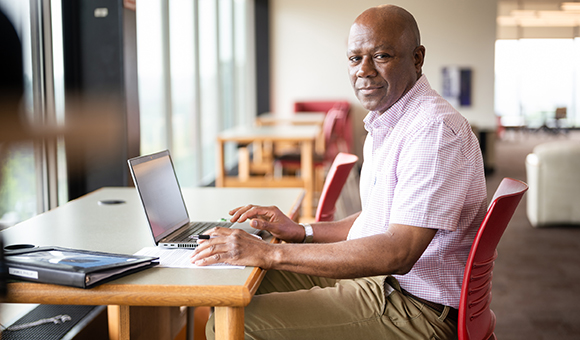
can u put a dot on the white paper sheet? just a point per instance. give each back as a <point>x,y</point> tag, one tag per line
<point>178,258</point>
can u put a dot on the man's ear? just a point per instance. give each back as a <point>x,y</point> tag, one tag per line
<point>419,58</point>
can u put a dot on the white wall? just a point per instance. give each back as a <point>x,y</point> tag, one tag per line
<point>308,46</point>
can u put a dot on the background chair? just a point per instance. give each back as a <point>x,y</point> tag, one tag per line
<point>316,105</point>
<point>333,144</point>
<point>476,320</point>
<point>344,123</point>
<point>335,180</point>
<point>553,173</point>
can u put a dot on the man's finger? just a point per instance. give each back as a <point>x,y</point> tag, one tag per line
<point>259,224</point>
<point>209,251</point>
<point>207,260</point>
<point>238,213</point>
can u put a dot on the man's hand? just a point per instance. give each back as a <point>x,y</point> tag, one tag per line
<point>232,246</point>
<point>270,219</point>
<point>237,247</point>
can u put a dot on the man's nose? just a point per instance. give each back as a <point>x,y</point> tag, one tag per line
<point>366,69</point>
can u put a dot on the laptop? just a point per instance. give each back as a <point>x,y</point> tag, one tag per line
<point>158,188</point>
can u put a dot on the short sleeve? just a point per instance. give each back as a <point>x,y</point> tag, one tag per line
<point>432,179</point>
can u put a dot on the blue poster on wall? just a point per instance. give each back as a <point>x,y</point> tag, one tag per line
<point>457,85</point>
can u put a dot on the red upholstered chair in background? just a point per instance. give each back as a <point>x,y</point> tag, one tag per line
<point>335,180</point>
<point>344,125</point>
<point>338,137</point>
<point>333,144</point>
<point>319,105</point>
<point>476,320</point>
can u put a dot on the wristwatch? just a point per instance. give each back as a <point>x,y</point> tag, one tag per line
<point>309,233</point>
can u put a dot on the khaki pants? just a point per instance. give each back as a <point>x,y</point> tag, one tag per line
<point>295,306</point>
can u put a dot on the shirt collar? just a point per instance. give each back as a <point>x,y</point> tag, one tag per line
<point>390,118</point>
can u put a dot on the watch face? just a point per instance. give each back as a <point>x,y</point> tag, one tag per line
<point>309,234</point>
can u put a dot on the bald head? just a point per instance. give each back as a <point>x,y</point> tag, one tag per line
<point>386,17</point>
<point>385,56</point>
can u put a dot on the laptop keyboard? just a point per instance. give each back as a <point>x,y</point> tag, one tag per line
<point>196,228</point>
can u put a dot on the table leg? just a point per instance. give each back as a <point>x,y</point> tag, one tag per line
<point>119,322</point>
<point>220,164</point>
<point>229,323</point>
<point>319,145</point>
<point>307,170</point>
<point>243,164</point>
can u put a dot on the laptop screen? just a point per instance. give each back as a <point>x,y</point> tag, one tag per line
<point>158,187</point>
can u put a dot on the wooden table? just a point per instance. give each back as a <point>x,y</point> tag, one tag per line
<point>140,305</point>
<point>304,135</point>
<point>299,118</point>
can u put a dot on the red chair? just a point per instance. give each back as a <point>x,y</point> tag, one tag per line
<point>319,105</point>
<point>332,146</point>
<point>344,127</point>
<point>476,320</point>
<point>335,180</point>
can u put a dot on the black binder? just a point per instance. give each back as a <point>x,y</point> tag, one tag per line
<point>72,267</point>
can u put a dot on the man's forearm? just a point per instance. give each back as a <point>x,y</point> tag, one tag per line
<point>390,253</point>
<point>335,231</point>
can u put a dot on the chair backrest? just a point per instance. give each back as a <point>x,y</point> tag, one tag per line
<point>561,113</point>
<point>329,125</point>
<point>335,180</point>
<point>332,129</point>
<point>476,319</point>
<point>319,105</point>
<point>343,123</point>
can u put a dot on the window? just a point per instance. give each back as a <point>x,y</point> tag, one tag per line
<point>534,77</point>
<point>194,79</point>
<point>30,175</point>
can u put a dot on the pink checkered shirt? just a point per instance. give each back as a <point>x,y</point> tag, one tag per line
<point>423,167</point>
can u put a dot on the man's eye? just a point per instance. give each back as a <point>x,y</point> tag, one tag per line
<point>354,59</point>
<point>382,56</point>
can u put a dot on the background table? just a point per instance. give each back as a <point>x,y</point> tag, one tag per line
<point>299,118</point>
<point>304,135</point>
<point>86,224</point>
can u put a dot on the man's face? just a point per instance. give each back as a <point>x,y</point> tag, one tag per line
<point>384,63</point>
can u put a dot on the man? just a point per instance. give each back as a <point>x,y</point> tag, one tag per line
<point>394,270</point>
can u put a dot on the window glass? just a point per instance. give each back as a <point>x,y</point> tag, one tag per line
<point>209,80</point>
<point>228,71</point>
<point>18,191</point>
<point>58,72</point>
<point>226,58</point>
<point>18,184</point>
<point>200,88</point>
<point>150,77</point>
<point>182,58</point>
<point>534,77</point>
<point>244,72</point>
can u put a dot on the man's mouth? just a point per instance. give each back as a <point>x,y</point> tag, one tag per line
<point>369,89</point>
